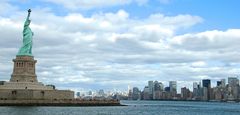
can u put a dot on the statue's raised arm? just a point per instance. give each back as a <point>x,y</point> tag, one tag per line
<point>29,12</point>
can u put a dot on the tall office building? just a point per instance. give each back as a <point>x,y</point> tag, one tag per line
<point>167,89</point>
<point>161,86</point>
<point>90,93</point>
<point>206,83</point>
<point>233,81</point>
<point>150,87</point>
<point>101,92</point>
<point>78,94</point>
<point>156,86</point>
<point>135,93</point>
<point>195,85</point>
<point>157,89</point>
<point>223,82</point>
<point>197,94</point>
<point>146,93</point>
<point>129,88</point>
<point>185,93</point>
<point>233,87</point>
<point>173,88</point>
<point>219,83</point>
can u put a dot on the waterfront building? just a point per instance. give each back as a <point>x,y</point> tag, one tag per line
<point>167,89</point>
<point>206,83</point>
<point>130,94</point>
<point>205,93</point>
<point>90,93</point>
<point>101,92</point>
<point>136,94</point>
<point>219,93</point>
<point>78,94</point>
<point>185,93</point>
<point>197,91</point>
<point>146,93</point>
<point>173,88</point>
<point>223,82</point>
<point>156,90</point>
<point>195,85</point>
<point>233,81</point>
<point>150,87</point>
<point>233,87</point>
<point>219,83</point>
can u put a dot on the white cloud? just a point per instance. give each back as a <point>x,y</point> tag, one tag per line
<point>199,64</point>
<point>209,41</point>
<point>89,4</point>
<point>175,22</point>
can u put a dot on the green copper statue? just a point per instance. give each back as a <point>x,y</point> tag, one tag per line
<point>26,49</point>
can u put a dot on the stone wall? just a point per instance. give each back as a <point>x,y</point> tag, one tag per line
<point>25,85</point>
<point>21,94</point>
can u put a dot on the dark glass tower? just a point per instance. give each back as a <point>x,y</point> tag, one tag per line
<point>206,88</point>
<point>206,83</point>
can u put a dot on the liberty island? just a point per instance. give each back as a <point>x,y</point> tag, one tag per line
<point>24,89</point>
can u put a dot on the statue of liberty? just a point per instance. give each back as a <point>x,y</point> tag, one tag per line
<point>26,48</point>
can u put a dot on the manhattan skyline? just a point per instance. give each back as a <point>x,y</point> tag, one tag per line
<point>91,45</point>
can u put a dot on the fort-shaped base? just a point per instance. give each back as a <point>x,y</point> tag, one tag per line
<point>24,85</point>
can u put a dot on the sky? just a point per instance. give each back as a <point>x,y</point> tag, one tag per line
<point>109,44</point>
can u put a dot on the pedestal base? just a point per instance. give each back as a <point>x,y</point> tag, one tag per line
<point>24,69</point>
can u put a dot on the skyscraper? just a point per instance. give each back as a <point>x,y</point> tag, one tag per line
<point>185,93</point>
<point>197,90</point>
<point>135,93</point>
<point>206,88</point>
<point>150,87</point>
<point>219,83</point>
<point>223,82</point>
<point>173,88</point>
<point>206,83</point>
<point>233,81</point>
<point>78,94</point>
<point>233,87</point>
<point>158,87</point>
<point>195,85</point>
<point>101,92</point>
<point>146,93</point>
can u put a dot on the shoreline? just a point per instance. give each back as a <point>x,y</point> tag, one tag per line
<point>73,102</point>
<point>221,101</point>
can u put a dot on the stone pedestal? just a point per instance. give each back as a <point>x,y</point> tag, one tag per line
<point>24,69</point>
<point>24,85</point>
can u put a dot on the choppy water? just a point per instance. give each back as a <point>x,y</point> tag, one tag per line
<point>133,108</point>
